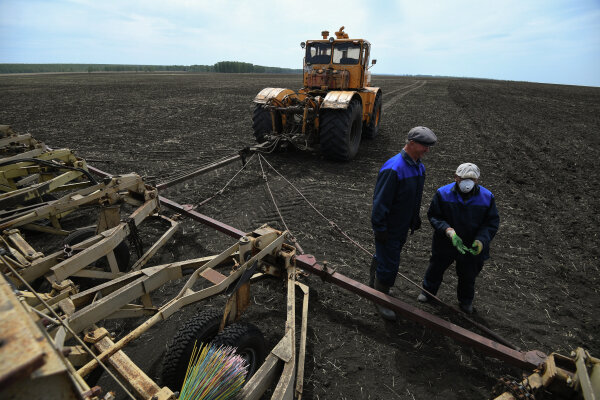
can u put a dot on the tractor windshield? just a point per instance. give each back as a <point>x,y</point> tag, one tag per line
<point>346,53</point>
<point>318,53</point>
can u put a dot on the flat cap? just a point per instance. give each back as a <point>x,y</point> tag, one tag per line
<point>422,135</point>
<point>468,171</point>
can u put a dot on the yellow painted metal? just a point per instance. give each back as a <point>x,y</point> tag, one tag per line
<point>302,349</point>
<point>338,99</point>
<point>569,376</point>
<point>368,101</point>
<point>30,367</point>
<point>145,387</point>
<point>285,387</point>
<point>271,93</point>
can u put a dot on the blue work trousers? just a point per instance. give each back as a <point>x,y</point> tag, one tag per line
<point>387,256</point>
<point>468,267</point>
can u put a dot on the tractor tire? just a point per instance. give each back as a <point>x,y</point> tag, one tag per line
<point>341,131</point>
<point>121,251</point>
<point>248,341</point>
<point>371,129</point>
<point>202,328</point>
<point>262,124</point>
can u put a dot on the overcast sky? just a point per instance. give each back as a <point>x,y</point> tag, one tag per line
<point>554,41</point>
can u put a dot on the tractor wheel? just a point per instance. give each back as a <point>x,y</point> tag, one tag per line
<point>202,328</point>
<point>371,129</point>
<point>121,251</point>
<point>248,341</point>
<point>261,123</point>
<point>341,131</point>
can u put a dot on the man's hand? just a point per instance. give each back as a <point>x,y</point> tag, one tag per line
<point>415,224</point>
<point>476,248</point>
<point>381,236</point>
<point>456,241</point>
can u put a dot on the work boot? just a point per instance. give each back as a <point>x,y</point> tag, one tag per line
<point>385,313</point>
<point>467,308</point>
<point>422,298</point>
<point>372,272</point>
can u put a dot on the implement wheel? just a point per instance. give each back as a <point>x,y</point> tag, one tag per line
<point>341,131</point>
<point>202,328</point>
<point>262,123</point>
<point>371,129</point>
<point>248,341</point>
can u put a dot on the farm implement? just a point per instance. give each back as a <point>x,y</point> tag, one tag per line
<point>52,307</point>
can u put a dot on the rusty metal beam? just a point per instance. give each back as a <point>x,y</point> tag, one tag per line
<point>526,360</point>
<point>220,226</point>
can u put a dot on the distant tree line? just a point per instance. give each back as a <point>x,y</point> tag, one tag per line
<point>222,66</point>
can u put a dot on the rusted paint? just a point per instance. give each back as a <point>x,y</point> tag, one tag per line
<point>139,381</point>
<point>213,276</point>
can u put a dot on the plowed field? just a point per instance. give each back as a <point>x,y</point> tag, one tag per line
<point>538,148</point>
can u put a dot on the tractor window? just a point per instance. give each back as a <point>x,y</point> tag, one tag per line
<point>318,53</point>
<point>346,53</point>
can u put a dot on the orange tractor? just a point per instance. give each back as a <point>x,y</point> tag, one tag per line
<point>335,108</point>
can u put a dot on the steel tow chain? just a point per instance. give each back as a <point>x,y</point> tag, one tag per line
<point>330,222</point>
<point>220,191</point>
<point>406,278</point>
<point>264,176</point>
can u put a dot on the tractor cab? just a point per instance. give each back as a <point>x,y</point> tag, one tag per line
<point>338,63</point>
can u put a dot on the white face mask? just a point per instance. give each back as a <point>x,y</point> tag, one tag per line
<point>466,185</point>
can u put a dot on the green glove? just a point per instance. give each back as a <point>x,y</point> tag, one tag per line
<point>476,248</point>
<point>458,243</point>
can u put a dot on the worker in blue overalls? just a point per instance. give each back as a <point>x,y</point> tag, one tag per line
<point>465,219</point>
<point>396,205</point>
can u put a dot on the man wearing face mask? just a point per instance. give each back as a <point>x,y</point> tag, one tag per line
<point>396,206</point>
<point>465,220</point>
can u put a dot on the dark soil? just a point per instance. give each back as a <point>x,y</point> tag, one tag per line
<point>538,147</point>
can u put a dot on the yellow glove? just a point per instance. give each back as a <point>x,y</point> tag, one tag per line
<point>476,247</point>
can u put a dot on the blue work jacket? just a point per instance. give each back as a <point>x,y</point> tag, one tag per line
<point>474,218</point>
<point>397,196</point>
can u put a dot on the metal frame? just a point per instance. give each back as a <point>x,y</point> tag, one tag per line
<point>264,248</point>
<point>76,260</point>
<point>68,313</point>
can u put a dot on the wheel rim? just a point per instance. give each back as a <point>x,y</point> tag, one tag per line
<point>249,355</point>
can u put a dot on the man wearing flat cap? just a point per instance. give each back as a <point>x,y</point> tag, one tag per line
<point>396,205</point>
<point>465,219</point>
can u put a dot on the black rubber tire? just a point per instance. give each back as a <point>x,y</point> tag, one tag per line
<point>341,131</point>
<point>202,328</point>
<point>262,125</point>
<point>371,129</point>
<point>121,251</point>
<point>248,341</point>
